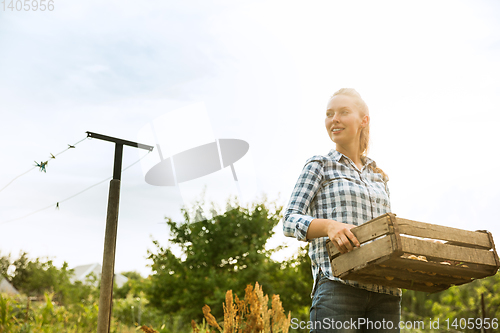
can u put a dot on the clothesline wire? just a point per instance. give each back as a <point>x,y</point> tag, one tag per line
<point>74,195</point>
<point>37,166</point>
<point>85,138</point>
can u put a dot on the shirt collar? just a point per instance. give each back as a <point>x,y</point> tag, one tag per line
<point>336,156</point>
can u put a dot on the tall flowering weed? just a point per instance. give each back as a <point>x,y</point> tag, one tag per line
<point>248,315</point>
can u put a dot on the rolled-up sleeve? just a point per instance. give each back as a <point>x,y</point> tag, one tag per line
<point>295,219</point>
<point>388,195</point>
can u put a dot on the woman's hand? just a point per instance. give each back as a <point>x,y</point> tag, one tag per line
<point>338,232</point>
<point>341,236</point>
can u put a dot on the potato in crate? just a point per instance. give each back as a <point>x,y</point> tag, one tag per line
<point>402,253</point>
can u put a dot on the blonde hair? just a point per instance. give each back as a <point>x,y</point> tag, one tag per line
<point>364,138</point>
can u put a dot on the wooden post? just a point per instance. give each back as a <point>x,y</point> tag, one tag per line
<point>108,260</point>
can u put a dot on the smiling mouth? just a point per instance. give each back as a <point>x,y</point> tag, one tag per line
<point>337,130</point>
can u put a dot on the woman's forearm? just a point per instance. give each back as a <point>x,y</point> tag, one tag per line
<point>338,232</point>
<point>319,228</point>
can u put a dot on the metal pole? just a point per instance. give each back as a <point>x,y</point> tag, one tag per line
<point>117,169</point>
<point>108,260</point>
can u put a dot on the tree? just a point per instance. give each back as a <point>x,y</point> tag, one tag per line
<point>465,302</point>
<point>134,285</point>
<point>293,282</point>
<point>220,253</point>
<point>34,277</point>
<point>455,303</point>
<point>4,266</point>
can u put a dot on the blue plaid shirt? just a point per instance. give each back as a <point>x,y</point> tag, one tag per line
<point>332,187</point>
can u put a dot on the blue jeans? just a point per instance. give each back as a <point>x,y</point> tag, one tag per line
<point>337,307</point>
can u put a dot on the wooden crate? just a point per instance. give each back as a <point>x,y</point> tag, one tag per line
<point>387,260</point>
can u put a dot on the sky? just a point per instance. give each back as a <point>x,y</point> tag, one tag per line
<point>176,75</point>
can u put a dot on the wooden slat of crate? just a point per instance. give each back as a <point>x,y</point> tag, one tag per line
<point>404,274</point>
<point>362,256</point>
<point>400,283</point>
<point>456,236</point>
<point>387,274</point>
<point>447,252</point>
<point>474,271</point>
<point>371,230</point>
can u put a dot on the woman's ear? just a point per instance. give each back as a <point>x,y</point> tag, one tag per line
<point>365,121</point>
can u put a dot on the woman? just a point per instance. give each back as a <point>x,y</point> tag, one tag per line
<point>333,194</point>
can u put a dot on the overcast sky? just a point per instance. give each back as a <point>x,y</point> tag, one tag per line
<point>180,74</point>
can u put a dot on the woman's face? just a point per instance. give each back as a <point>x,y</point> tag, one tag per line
<point>344,121</point>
